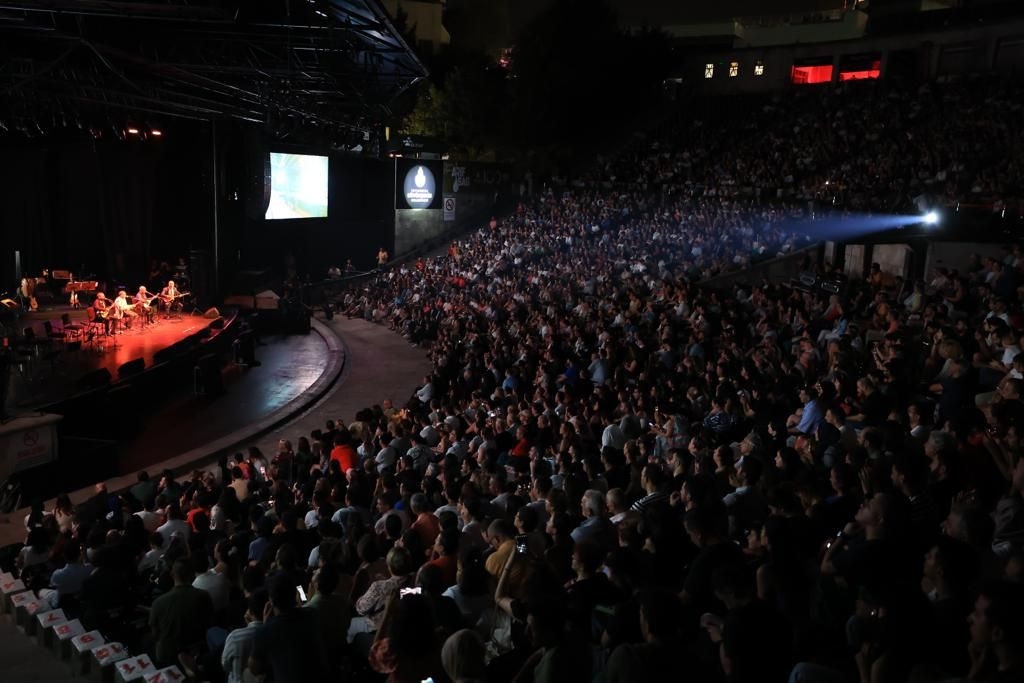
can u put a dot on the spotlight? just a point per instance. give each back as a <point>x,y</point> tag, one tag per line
<point>156,132</point>
<point>930,218</point>
<point>132,130</point>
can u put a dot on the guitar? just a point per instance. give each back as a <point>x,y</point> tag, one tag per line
<point>114,311</point>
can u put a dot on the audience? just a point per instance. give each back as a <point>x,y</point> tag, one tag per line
<point>615,470</point>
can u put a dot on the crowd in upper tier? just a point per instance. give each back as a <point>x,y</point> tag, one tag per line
<point>615,473</point>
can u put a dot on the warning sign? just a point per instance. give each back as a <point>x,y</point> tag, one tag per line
<point>449,209</point>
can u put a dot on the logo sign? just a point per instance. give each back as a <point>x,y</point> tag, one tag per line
<point>419,187</point>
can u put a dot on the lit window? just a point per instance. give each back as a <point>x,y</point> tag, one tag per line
<point>759,69</point>
<point>812,74</point>
<point>709,71</point>
<point>734,69</point>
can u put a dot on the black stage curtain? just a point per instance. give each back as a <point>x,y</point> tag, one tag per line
<point>103,207</point>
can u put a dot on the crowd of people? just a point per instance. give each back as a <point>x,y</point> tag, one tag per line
<point>614,473</point>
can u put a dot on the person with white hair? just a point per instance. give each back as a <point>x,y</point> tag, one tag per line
<point>595,527</point>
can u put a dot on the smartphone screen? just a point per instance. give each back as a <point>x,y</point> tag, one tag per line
<point>302,593</point>
<point>521,543</point>
<point>409,591</point>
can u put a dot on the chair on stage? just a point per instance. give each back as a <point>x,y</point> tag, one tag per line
<point>94,327</point>
<point>50,353</point>
<point>71,330</point>
<point>54,334</point>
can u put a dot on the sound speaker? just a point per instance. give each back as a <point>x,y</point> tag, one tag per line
<point>211,313</point>
<point>132,367</point>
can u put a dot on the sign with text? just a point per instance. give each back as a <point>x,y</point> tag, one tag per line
<point>47,619</point>
<point>417,184</point>
<point>19,599</point>
<point>449,209</point>
<point>169,675</point>
<point>90,640</point>
<point>27,442</point>
<point>109,653</point>
<point>132,669</point>
<point>69,630</point>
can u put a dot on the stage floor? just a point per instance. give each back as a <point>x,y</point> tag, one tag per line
<point>42,383</point>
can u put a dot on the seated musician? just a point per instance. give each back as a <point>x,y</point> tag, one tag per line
<point>142,305</point>
<point>104,310</point>
<point>127,310</point>
<point>169,295</point>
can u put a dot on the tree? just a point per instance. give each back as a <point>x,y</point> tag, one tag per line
<point>465,113</point>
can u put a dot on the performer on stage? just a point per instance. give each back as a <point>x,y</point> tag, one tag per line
<point>126,309</point>
<point>104,310</point>
<point>170,296</point>
<point>141,301</point>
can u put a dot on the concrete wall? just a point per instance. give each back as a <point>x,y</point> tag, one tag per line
<point>925,55</point>
<point>413,227</point>
<point>894,259</point>
<point>853,261</point>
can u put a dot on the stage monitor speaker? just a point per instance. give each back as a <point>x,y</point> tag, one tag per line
<point>95,379</point>
<point>245,349</point>
<point>131,368</point>
<point>211,313</point>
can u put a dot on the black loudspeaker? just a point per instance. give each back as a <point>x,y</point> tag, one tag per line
<point>208,380</point>
<point>245,349</point>
<point>132,367</point>
<point>211,313</point>
<point>95,379</point>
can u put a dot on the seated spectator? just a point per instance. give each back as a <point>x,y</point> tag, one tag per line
<point>371,604</point>
<point>240,643</point>
<point>333,611</point>
<point>472,589</point>
<point>288,646</point>
<point>408,646</point>
<point>179,618</point>
<point>463,657</point>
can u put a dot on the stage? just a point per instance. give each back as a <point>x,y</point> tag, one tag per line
<point>55,370</point>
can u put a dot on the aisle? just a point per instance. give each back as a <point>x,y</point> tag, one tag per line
<point>379,364</point>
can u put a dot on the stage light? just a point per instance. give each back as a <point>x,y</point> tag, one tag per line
<point>931,218</point>
<point>132,130</point>
<point>156,132</point>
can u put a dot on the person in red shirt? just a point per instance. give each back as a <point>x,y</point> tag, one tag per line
<point>446,555</point>
<point>343,452</point>
<point>425,524</point>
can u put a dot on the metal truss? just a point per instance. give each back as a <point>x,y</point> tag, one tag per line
<point>334,64</point>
